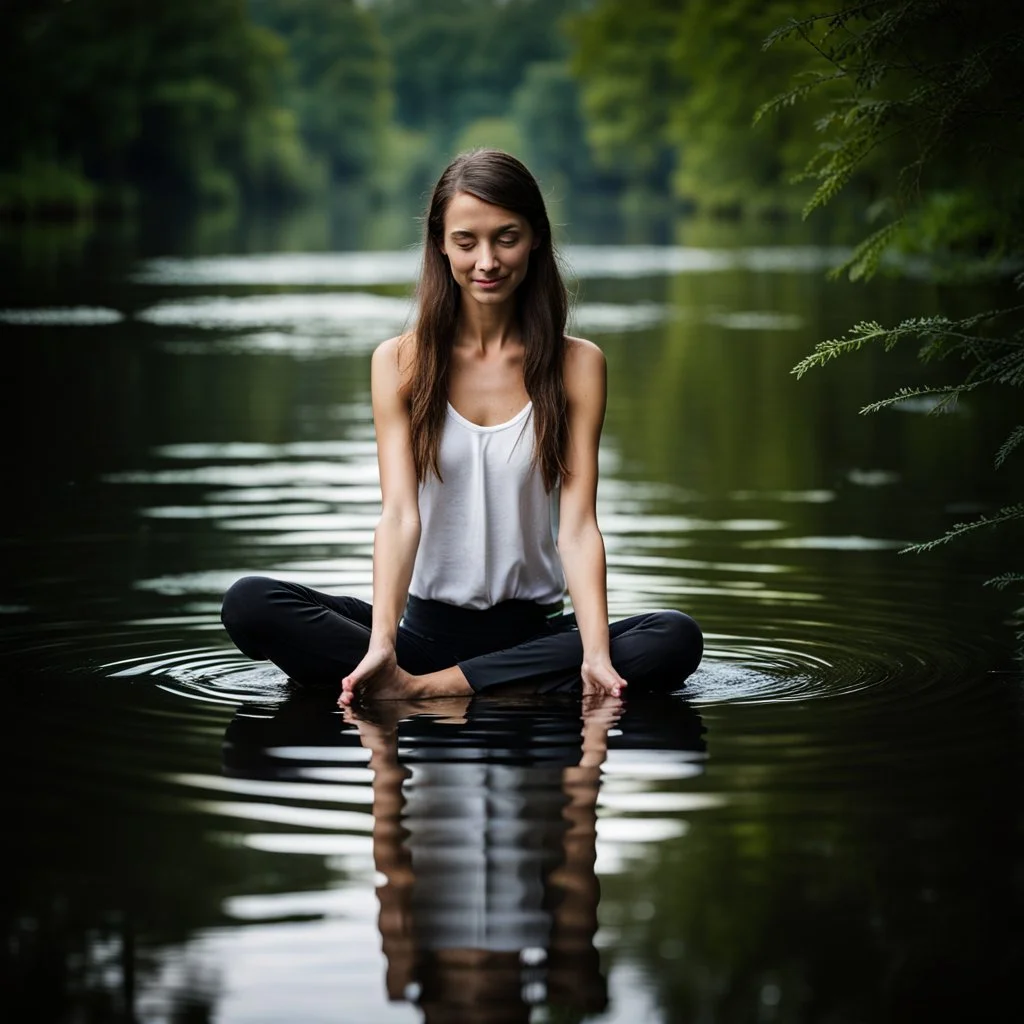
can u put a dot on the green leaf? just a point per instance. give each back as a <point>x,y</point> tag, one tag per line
<point>1016,438</point>
<point>1002,581</point>
<point>950,396</point>
<point>1005,515</point>
<point>864,260</point>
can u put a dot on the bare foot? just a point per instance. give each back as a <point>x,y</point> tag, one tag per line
<point>380,658</point>
<point>377,676</point>
<point>387,683</point>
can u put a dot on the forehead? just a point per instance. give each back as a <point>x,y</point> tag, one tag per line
<point>468,213</point>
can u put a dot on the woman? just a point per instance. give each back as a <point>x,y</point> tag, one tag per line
<point>488,419</point>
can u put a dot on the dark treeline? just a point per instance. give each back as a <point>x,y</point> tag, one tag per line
<point>212,102</point>
<point>215,102</point>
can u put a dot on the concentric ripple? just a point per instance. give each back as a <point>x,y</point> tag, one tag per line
<point>882,654</point>
<point>209,674</point>
<point>302,503</point>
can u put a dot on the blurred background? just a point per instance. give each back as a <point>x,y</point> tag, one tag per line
<point>209,217</point>
<point>636,111</point>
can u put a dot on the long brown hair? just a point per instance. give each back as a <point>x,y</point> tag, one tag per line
<point>542,307</point>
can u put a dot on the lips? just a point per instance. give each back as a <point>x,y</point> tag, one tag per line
<point>489,282</point>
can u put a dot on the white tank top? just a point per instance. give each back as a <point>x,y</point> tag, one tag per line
<point>487,534</point>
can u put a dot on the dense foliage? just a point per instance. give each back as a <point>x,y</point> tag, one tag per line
<point>930,111</point>
<point>909,111</point>
<point>336,78</point>
<point>113,95</point>
<point>669,90</point>
<point>268,100</point>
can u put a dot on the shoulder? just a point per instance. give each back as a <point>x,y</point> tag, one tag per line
<point>585,368</point>
<point>392,361</point>
<point>583,354</point>
<point>396,349</point>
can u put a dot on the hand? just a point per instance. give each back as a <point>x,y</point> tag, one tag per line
<point>380,659</point>
<point>599,678</point>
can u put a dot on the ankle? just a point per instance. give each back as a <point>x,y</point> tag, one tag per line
<point>449,682</point>
<point>414,687</point>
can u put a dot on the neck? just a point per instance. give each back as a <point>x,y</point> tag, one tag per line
<point>486,327</point>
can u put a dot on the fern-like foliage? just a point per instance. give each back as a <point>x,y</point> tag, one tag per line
<point>1013,441</point>
<point>868,254</point>
<point>904,91</point>
<point>931,91</point>
<point>1007,514</point>
<point>815,79</point>
<point>947,398</point>
<point>1005,579</point>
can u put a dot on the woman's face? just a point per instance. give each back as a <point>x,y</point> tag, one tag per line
<point>488,248</point>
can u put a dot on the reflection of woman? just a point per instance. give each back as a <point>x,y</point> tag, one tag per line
<point>488,419</point>
<point>484,819</point>
<point>489,904</point>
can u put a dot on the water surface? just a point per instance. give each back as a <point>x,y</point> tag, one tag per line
<point>822,825</point>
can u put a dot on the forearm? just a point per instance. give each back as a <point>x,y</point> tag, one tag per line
<point>583,561</point>
<point>395,543</point>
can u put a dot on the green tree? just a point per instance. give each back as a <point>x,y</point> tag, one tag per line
<point>669,90</point>
<point>547,110</point>
<point>336,78</point>
<point>457,61</point>
<point>932,112</point>
<point>630,81</point>
<point>170,99</point>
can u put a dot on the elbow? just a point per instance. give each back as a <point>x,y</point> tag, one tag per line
<point>578,536</point>
<point>405,521</point>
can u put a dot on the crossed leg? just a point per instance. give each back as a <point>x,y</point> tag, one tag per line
<point>319,639</point>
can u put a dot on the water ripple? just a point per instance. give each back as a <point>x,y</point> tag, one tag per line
<point>817,664</point>
<point>62,316</point>
<point>216,674</point>
<point>359,269</point>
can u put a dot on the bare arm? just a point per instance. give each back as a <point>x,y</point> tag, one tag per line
<point>580,543</point>
<point>397,536</point>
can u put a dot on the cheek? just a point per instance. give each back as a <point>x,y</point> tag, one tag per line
<point>458,264</point>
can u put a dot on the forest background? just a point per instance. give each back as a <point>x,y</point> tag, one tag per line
<point>116,103</point>
<point>219,103</point>
<point>903,120</point>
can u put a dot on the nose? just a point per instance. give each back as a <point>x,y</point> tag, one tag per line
<point>487,258</point>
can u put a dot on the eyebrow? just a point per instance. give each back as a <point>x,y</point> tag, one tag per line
<point>466,233</point>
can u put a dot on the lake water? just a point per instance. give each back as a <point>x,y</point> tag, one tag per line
<point>824,825</point>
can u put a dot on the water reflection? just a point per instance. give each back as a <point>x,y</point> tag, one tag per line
<point>205,419</point>
<point>484,832</point>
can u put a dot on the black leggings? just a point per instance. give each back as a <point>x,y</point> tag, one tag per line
<point>318,638</point>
